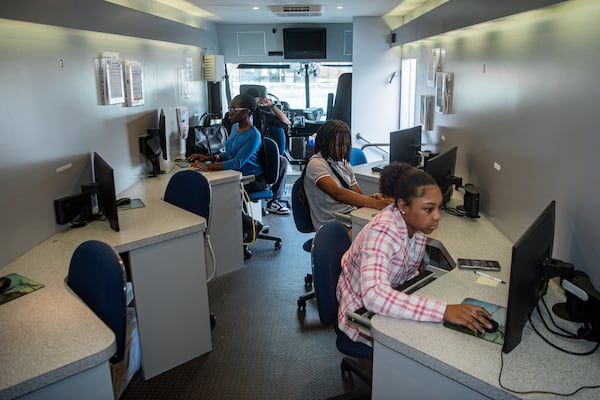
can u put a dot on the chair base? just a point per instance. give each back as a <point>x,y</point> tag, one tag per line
<point>303,299</point>
<point>350,365</point>
<point>273,238</point>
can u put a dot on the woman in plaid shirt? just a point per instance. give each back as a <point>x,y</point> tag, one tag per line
<point>389,250</point>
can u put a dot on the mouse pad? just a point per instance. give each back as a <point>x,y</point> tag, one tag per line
<point>499,315</point>
<point>19,286</point>
<point>135,203</point>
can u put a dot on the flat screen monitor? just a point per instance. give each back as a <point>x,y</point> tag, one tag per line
<point>441,168</point>
<point>154,143</point>
<point>304,43</point>
<point>107,200</point>
<point>405,145</point>
<point>527,283</point>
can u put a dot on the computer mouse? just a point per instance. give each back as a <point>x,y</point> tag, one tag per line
<point>123,201</point>
<point>494,327</point>
<point>4,283</point>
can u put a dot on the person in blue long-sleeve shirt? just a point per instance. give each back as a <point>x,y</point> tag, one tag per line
<point>241,153</point>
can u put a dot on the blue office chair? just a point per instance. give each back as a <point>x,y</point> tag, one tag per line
<point>357,156</point>
<point>329,245</point>
<point>278,135</point>
<point>97,276</point>
<point>271,173</point>
<point>190,190</point>
<point>303,223</point>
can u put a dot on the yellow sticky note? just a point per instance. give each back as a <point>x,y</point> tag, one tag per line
<point>485,281</point>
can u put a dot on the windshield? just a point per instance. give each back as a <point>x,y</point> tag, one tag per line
<point>286,82</point>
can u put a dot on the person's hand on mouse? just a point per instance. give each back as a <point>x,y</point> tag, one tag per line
<point>469,316</point>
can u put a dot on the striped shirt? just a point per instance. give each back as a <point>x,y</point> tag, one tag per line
<point>380,258</point>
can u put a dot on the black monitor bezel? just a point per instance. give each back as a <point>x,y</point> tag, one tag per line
<point>405,145</point>
<point>308,43</point>
<point>441,168</point>
<point>162,134</point>
<point>107,199</point>
<point>527,280</point>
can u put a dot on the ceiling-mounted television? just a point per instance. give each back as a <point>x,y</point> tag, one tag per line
<point>304,43</point>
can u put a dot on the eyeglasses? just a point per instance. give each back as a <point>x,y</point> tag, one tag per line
<point>236,109</point>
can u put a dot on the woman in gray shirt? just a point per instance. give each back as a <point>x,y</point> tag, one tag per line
<point>329,180</point>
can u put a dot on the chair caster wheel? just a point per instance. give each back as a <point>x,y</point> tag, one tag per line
<point>301,305</point>
<point>278,245</point>
<point>247,254</point>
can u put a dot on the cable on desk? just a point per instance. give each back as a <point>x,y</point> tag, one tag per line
<point>556,347</point>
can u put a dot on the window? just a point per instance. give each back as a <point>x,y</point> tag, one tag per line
<point>286,82</point>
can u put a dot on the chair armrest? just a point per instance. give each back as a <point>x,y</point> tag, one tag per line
<point>361,320</point>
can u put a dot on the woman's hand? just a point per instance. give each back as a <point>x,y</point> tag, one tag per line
<point>199,157</point>
<point>382,203</point>
<point>469,316</point>
<point>200,166</point>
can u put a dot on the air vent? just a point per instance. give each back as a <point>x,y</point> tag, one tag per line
<point>299,10</point>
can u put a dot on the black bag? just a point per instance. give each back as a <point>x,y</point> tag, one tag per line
<point>302,198</point>
<point>205,139</point>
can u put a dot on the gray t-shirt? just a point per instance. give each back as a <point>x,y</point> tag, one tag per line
<point>322,206</point>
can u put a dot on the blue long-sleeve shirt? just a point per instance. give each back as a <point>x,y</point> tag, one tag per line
<point>241,151</point>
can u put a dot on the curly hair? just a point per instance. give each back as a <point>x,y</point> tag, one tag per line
<point>245,101</point>
<point>403,181</point>
<point>334,140</point>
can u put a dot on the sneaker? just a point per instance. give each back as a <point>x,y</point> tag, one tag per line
<point>276,207</point>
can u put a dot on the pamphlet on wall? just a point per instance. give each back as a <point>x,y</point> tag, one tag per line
<point>183,124</point>
<point>110,72</point>
<point>134,83</point>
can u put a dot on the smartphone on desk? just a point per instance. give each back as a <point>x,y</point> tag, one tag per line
<point>477,264</point>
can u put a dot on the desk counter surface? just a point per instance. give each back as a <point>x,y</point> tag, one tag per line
<point>473,362</point>
<point>50,334</point>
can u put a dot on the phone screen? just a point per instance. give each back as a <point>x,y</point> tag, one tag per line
<point>491,265</point>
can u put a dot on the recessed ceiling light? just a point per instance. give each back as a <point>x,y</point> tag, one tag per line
<point>340,7</point>
<point>256,8</point>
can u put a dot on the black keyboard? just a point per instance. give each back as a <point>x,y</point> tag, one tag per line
<point>413,280</point>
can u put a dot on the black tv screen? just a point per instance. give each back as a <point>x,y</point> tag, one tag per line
<point>304,43</point>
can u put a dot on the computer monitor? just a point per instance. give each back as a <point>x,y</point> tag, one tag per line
<point>528,281</point>
<point>405,145</point>
<point>107,201</point>
<point>441,168</point>
<point>154,143</point>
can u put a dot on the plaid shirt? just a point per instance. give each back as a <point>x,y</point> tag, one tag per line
<point>380,258</point>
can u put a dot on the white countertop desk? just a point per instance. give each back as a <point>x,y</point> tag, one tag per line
<point>53,346</point>
<point>417,360</point>
<point>368,181</point>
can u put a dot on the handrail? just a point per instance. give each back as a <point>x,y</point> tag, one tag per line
<point>369,144</point>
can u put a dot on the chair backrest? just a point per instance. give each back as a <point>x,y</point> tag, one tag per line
<point>272,160</point>
<point>329,245</point>
<point>302,218</point>
<point>278,135</point>
<point>97,276</point>
<point>357,156</point>
<point>190,190</point>
<point>342,106</point>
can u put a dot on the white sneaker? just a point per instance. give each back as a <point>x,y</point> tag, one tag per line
<point>276,207</point>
